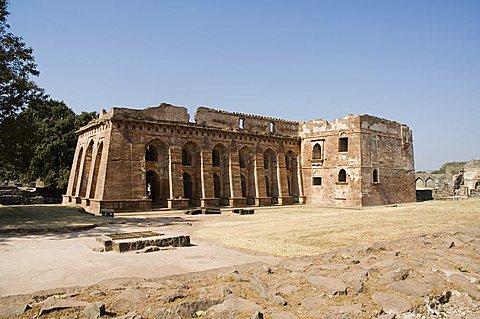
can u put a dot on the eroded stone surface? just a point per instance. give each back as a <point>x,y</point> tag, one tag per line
<point>434,287</point>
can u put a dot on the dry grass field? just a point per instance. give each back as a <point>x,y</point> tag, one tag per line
<point>310,230</point>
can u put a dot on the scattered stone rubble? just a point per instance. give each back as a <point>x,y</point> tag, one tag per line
<point>430,276</point>
<point>13,195</point>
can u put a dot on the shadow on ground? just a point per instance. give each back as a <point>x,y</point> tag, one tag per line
<point>59,222</point>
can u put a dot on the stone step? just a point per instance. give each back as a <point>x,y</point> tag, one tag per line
<point>122,243</point>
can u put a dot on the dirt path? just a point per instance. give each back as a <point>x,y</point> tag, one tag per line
<point>33,263</point>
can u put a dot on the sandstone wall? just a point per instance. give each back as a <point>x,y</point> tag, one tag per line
<point>123,184</point>
<point>163,112</point>
<point>138,159</point>
<point>251,123</point>
<point>387,147</point>
<point>332,160</point>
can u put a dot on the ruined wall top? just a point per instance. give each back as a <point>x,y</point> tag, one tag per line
<point>358,122</point>
<point>163,112</point>
<point>317,126</point>
<point>245,122</point>
<point>249,123</point>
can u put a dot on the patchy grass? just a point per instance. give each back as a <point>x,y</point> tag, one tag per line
<point>310,230</point>
<point>44,218</point>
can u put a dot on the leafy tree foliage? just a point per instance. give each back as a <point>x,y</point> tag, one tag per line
<point>17,67</point>
<point>42,142</point>
<point>54,125</point>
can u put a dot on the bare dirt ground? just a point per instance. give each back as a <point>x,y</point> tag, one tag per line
<point>309,230</point>
<point>418,260</point>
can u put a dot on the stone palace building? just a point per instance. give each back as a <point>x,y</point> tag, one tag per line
<point>137,160</point>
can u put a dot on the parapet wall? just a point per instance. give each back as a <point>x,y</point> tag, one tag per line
<point>246,122</point>
<point>313,127</point>
<point>163,112</point>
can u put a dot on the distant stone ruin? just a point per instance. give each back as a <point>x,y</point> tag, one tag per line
<point>17,195</point>
<point>452,179</point>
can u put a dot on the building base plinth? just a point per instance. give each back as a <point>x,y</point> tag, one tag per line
<point>178,203</point>
<point>238,201</point>
<point>263,201</point>
<point>285,200</point>
<point>209,202</point>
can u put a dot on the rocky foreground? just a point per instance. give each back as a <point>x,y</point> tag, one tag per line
<point>431,276</point>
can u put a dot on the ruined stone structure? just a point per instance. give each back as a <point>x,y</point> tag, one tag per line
<point>132,160</point>
<point>452,179</point>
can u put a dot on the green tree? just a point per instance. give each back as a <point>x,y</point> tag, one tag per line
<point>54,124</point>
<point>17,67</point>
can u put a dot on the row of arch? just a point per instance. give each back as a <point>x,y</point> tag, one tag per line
<point>221,162</point>
<point>87,169</point>
<point>429,182</point>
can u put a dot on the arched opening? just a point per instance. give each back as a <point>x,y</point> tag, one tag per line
<point>375,176</point>
<point>477,185</point>
<point>242,157</point>
<point>96,168</point>
<point>270,165</point>
<point>186,157</point>
<point>317,152</point>
<point>86,170</point>
<point>429,183</point>
<point>220,161</point>
<point>247,170</point>
<point>267,186</point>
<point>289,186</point>
<point>243,183</point>
<point>192,167</point>
<point>291,163</point>
<point>217,186</point>
<point>342,176</point>
<point>215,158</point>
<point>77,172</point>
<point>151,153</point>
<point>152,187</point>
<point>187,186</point>
<point>419,183</point>
<point>157,160</point>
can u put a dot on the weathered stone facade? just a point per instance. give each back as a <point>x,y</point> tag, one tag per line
<point>132,160</point>
<point>453,179</point>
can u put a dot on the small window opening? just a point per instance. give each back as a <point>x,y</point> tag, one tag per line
<point>342,176</point>
<point>317,152</point>
<point>343,144</point>
<point>241,123</point>
<point>375,176</point>
<point>272,127</point>
<point>317,181</point>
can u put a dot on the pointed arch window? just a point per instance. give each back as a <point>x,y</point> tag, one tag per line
<point>317,152</point>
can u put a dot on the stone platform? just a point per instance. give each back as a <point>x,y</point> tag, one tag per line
<point>123,242</point>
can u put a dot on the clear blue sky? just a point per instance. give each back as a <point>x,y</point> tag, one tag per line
<point>416,62</point>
